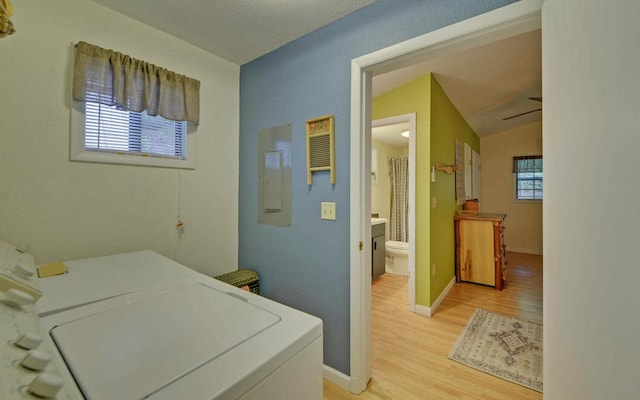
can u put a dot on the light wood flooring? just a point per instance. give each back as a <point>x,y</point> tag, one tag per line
<point>410,350</point>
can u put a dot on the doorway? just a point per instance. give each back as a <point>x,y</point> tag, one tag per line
<point>505,22</point>
<point>400,123</point>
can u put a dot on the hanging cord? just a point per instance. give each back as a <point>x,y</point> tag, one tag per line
<point>179,224</point>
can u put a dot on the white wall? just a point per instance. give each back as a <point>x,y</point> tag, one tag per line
<point>524,218</point>
<point>62,210</point>
<point>591,144</point>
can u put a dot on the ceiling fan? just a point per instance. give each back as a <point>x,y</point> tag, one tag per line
<point>534,98</point>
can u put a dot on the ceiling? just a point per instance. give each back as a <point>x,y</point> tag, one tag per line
<point>486,84</point>
<point>237,30</point>
<point>391,134</point>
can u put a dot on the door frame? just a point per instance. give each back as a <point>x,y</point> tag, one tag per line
<point>514,19</point>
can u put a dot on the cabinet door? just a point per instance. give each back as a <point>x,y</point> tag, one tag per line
<point>377,256</point>
<point>477,263</point>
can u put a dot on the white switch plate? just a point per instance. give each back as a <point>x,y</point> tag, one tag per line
<point>327,210</point>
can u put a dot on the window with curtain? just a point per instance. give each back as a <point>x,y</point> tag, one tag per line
<point>128,111</point>
<point>527,177</point>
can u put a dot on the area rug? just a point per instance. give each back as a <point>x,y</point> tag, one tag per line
<point>506,347</point>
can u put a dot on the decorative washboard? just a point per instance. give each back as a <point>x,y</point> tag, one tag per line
<point>320,145</point>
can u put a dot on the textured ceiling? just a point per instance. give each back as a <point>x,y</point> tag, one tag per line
<point>237,30</point>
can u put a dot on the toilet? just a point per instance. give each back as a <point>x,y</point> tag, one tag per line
<point>397,258</point>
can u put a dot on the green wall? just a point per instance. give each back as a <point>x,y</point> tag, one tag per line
<point>447,126</point>
<point>413,97</point>
<point>438,126</point>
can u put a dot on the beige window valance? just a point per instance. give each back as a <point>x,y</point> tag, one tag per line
<point>112,78</point>
<point>527,164</point>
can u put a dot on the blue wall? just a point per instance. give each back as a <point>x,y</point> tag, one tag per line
<point>306,266</point>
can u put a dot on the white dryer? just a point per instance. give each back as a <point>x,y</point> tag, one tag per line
<point>98,278</point>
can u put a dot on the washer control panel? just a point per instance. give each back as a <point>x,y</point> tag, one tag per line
<point>26,370</point>
<point>18,271</point>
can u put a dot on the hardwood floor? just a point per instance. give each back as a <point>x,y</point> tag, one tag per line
<point>410,350</point>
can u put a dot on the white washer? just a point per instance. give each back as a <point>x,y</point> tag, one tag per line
<point>138,325</point>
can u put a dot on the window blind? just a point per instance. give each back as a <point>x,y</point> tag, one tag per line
<point>110,129</point>
<point>527,164</point>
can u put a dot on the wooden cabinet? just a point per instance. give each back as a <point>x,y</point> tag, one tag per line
<point>480,249</point>
<point>377,250</point>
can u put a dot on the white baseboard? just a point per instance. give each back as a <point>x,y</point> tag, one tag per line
<point>337,377</point>
<point>525,251</point>
<point>444,294</point>
<point>423,310</point>
<point>429,311</point>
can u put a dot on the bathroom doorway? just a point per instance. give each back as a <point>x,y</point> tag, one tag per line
<point>394,137</point>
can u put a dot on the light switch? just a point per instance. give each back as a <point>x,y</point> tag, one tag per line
<point>328,210</point>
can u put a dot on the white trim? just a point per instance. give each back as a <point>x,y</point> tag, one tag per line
<point>423,310</point>
<point>429,311</point>
<point>411,119</point>
<point>360,228</point>
<point>520,17</point>
<point>444,294</point>
<point>335,376</point>
<point>525,251</point>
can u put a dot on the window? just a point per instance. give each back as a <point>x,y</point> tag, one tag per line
<point>107,134</point>
<point>128,111</point>
<point>527,177</point>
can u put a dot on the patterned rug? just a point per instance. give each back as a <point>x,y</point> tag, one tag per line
<point>506,347</point>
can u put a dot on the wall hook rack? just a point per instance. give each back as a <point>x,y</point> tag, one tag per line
<point>449,169</point>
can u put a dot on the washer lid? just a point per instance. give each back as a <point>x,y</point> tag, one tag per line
<point>134,350</point>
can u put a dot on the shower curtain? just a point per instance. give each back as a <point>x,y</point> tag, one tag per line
<point>399,206</point>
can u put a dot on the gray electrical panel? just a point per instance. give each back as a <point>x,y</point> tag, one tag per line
<point>274,175</point>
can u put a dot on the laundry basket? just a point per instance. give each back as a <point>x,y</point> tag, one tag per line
<point>242,277</point>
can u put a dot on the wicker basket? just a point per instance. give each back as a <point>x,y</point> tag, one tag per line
<point>471,205</point>
<point>242,277</point>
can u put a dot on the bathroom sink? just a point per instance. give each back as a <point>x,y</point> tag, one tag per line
<point>376,221</point>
